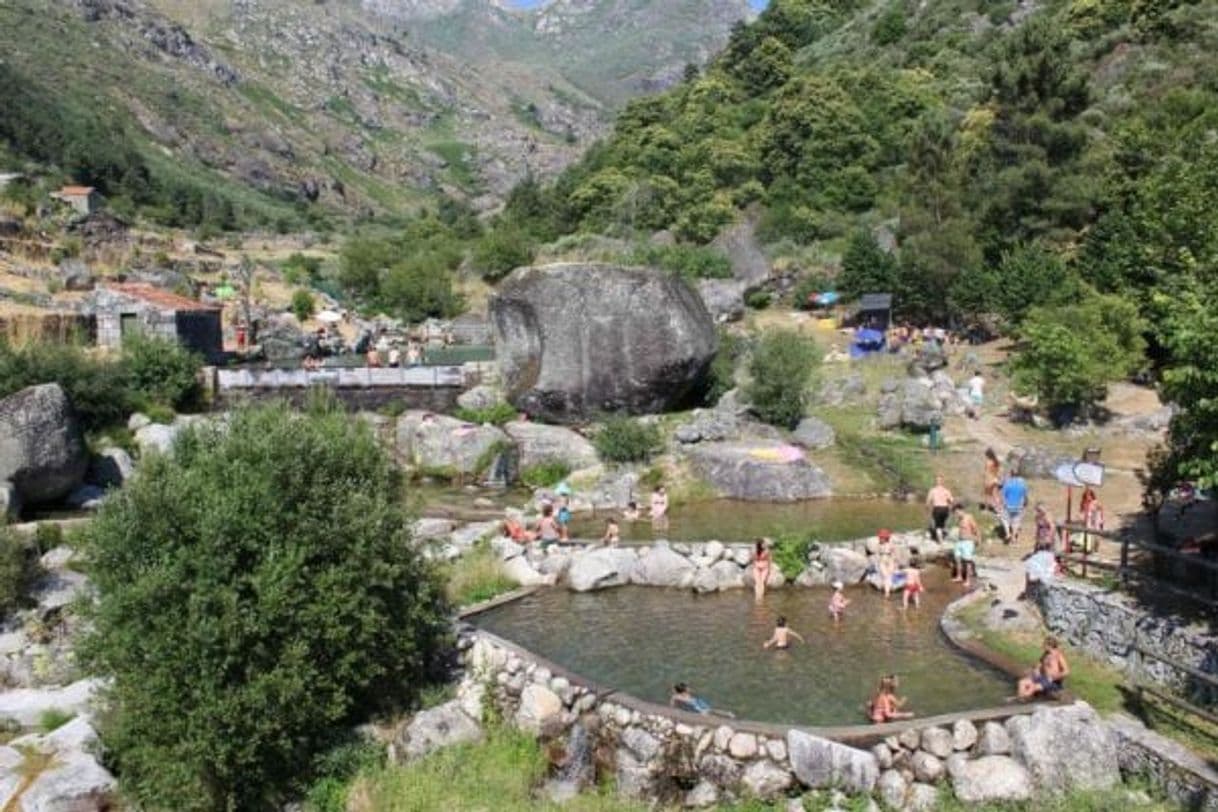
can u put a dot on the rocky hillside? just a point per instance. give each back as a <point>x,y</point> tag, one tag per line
<point>362,106</point>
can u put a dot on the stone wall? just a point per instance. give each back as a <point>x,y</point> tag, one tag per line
<point>1107,625</point>
<point>657,753</point>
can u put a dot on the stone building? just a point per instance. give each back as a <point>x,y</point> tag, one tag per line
<point>128,309</point>
<point>84,199</point>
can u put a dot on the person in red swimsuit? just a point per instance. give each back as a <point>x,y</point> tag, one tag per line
<point>762,562</point>
<point>913,585</point>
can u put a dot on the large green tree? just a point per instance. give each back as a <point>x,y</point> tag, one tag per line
<point>257,592</point>
<point>781,369</point>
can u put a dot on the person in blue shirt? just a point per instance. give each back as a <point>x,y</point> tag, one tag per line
<point>1014,502</point>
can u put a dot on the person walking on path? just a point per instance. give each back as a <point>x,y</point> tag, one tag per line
<point>993,480</point>
<point>1014,503</point>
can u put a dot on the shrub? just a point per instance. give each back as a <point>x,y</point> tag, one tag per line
<point>257,595</point>
<point>790,554</point>
<point>477,576</point>
<point>689,261</point>
<point>99,389</point>
<point>19,568</point>
<point>758,299</point>
<point>161,371</point>
<point>47,536</point>
<point>497,415</point>
<point>303,305</point>
<point>545,474</point>
<point>781,370</point>
<point>722,375</point>
<point>623,439</point>
<point>52,719</point>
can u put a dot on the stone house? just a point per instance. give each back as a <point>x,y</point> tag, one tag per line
<point>83,199</point>
<point>128,309</point>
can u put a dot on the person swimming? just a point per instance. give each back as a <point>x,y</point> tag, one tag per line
<point>781,639</point>
<point>683,699</point>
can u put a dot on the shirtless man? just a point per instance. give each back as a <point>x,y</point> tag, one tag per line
<point>781,637</point>
<point>1049,675</point>
<point>939,499</point>
<point>966,547</point>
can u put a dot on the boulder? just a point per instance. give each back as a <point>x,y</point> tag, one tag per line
<point>157,438</point>
<point>703,795</point>
<point>539,443</point>
<point>85,497</point>
<point>1066,748</point>
<point>73,781</point>
<point>600,568</point>
<point>926,768</point>
<point>539,707</point>
<point>759,470</point>
<point>724,298</point>
<point>820,763</point>
<point>727,574</point>
<point>662,567</point>
<point>42,451</point>
<point>765,780</point>
<point>993,740</point>
<point>439,443</point>
<point>519,570</point>
<point>430,730</point>
<point>721,770</point>
<point>282,339</point>
<point>913,404</point>
<point>845,565</point>
<point>642,745</point>
<point>937,742</point>
<point>814,433</point>
<point>892,788</point>
<point>10,503</point>
<point>964,735</point>
<point>991,779</point>
<point>26,705</point>
<point>841,391</point>
<point>578,339</point>
<point>480,398</point>
<point>922,798</point>
<point>110,468</point>
<point>1035,463</point>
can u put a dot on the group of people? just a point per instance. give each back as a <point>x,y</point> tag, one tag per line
<point>553,525</point>
<point>389,353</point>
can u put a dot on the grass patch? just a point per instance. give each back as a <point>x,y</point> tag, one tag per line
<point>496,415</point>
<point>52,719</point>
<point>477,576</point>
<point>897,463</point>
<point>545,474</point>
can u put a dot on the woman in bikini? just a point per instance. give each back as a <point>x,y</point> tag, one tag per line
<point>885,706</point>
<point>886,560</point>
<point>762,563</point>
<point>993,479</point>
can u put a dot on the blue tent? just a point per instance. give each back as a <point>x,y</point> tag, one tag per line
<point>866,341</point>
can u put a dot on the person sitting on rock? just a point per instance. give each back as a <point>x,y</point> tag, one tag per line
<point>548,530</point>
<point>516,531</point>
<point>1049,676</point>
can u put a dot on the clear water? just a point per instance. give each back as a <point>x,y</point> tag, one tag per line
<point>641,640</point>
<point>731,520</point>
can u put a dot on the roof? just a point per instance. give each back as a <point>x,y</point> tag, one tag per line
<point>875,301</point>
<point>160,298</point>
<point>74,191</point>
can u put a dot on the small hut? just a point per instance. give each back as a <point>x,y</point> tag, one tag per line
<point>129,309</point>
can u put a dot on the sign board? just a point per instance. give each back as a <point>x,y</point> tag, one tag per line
<point>1079,474</point>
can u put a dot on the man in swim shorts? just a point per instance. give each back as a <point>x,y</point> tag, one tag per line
<point>1014,502</point>
<point>939,499</point>
<point>966,546</point>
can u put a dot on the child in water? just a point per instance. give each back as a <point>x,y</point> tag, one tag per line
<point>886,705</point>
<point>631,513</point>
<point>564,519</point>
<point>837,603</point>
<point>781,637</point>
<point>913,585</point>
<point>613,533</point>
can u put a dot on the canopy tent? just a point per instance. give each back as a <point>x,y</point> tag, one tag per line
<point>874,311</point>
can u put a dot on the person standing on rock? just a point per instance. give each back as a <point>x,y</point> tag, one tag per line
<point>762,564</point>
<point>940,500</point>
<point>886,560</point>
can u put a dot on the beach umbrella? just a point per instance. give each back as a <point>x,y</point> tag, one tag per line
<point>827,298</point>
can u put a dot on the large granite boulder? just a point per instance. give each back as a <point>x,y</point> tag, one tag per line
<point>578,339</point>
<point>435,442</point>
<point>724,298</point>
<point>814,433</point>
<point>663,567</point>
<point>42,452</point>
<point>913,404</point>
<point>759,470</point>
<point>601,568</point>
<point>1066,748</point>
<point>991,779</point>
<point>821,763</point>
<point>538,443</point>
<point>433,729</point>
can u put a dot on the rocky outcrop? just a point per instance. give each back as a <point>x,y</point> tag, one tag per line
<point>724,298</point>
<point>538,443</point>
<point>1066,749</point>
<point>430,730</point>
<point>438,443</point>
<point>821,763</point>
<point>991,779</point>
<point>814,433</point>
<point>601,568</point>
<point>71,780</point>
<point>575,340</point>
<point>42,451</point>
<point>766,471</point>
<point>912,404</point>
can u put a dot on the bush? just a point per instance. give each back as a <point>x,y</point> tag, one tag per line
<point>689,261</point>
<point>99,389</point>
<point>622,439</point>
<point>545,474</point>
<point>722,376</point>
<point>258,594</point>
<point>477,576</point>
<point>757,299</point>
<point>497,415</point>
<point>781,370</point>
<point>161,371</point>
<point>47,536</point>
<point>19,568</point>
<point>790,554</point>
<point>52,719</point>
<point>303,305</point>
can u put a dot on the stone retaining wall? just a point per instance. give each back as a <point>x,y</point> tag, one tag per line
<point>1107,624</point>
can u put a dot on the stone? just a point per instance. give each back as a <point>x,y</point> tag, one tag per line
<point>157,438</point>
<point>427,529</point>
<point>922,798</point>
<point>42,450</point>
<point>519,570</point>
<point>74,781</point>
<point>428,441</point>
<point>26,705</point>
<point>937,742</point>
<point>964,735</point>
<point>600,568</point>
<point>703,795</point>
<point>992,779</point>
<point>430,730</point>
<point>724,298</point>
<point>883,756</point>
<point>642,744</point>
<point>110,468</point>
<point>721,770</point>
<point>57,589</point>
<point>766,780</point>
<point>713,550</point>
<point>10,503</point>
<point>57,558</point>
<point>777,749</point>
<point>137,421</point>
<point>723,736</point>
<point>742,746</point>
<point>539,707</point>
<point>662,567</point>
<point>815,434</point>
<point>480,398</point>
<point>820,763</point>
<point>554,564</point>
<point>759,470</point>
<point>85,497</point>
<point>910,739</point>
<point>913,404</point>
<point>538,443</point>
<point>927,768</point>
<point>892,788</point>
<point>634,781</point>
<point>468,535</point>
<point>843,564</point>
<point>573,340</point>
<point>727,575</point>
<point>1066,748</point>
<point>842,391</point>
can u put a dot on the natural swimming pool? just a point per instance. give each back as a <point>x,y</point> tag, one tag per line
<point>641,640</point>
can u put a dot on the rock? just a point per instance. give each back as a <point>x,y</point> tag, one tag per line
<point>430,730</point>
<point>992,779</point>
<point>937,742</point>
<point>723,736</point>
<point>922,798</point>
<point>539,707</point>
<point>766,780</point>
<point>575,339</point>
<point>722,770</point>
<point>964,735</point>
<point>110,468</point>
<point>137,421</point>
<point>434,442</point>
<point>42,451</point>
<point>841,391</point>
<point>703,795</point>
<point>480,398</point>
<point>1034,463</point>
<point>1066,748</point>
<point>634,780</point>
<point>687,434</point>
<point>713,550</point>
<point>644,746</point>
<point>519,569</point>
<point>820,763</point>
<point>742,746</point>
<point>913,404</point>
<point>85,497</point>
<point>845,565</point>
<point>539,443</point>
<point>704,582</point>
<point>723,298</point>
<point>761,470</point>
<point>600,568</point>
<point>883,756</point>
<point>814,433</point>
<point>26,705</point>
<point>728,575</point>
<point>157,438</point>
<point>926,767</point>
<point>74,781</point>
<point>57,558</point>
<point>777,750</point>
<point>910,739</point>
<point>892,788</point>
<point>554,565</point>
<point>57,589</point>
<point>468,535</point>
<point>10,503</point>
<point>993,740</point>
<point>662,567</point>
<point>282,339</point>
<point>428,529</point>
